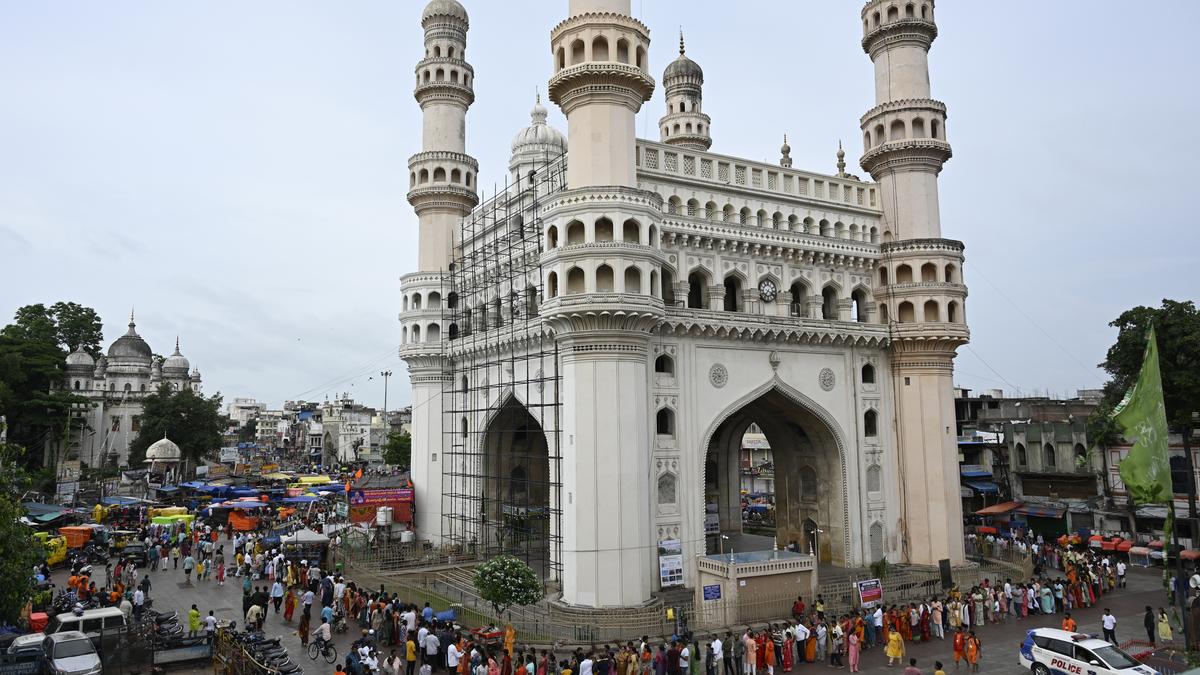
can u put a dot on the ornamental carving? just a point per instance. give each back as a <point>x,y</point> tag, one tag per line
<point>826,379</point>
<point>718,375</point>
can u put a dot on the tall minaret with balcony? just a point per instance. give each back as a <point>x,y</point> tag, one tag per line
<point>919,279</point>
<point>602,265</point>
<point>685,123</point>
<point>442,181</point>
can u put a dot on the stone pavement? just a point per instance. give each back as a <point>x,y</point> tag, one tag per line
<point>1000,641</point>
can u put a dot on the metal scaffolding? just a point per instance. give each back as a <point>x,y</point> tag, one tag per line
<point>501,476</point>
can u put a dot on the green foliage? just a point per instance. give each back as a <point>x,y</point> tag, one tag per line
<point>33,350</point>
<point>18,555</point>
<point>192,421</point>
<point>398,450</point>
<point>249,431</point>
<point>1178,332</point>
<point>505,581</point>
<point>880,568</point>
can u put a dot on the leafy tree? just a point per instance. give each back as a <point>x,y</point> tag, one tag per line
<point>249,431</point>
<point>67,324</point>
<point>17,554</point>
<point>194,422</point>
<point>505,581</point>
<point>1177,326</point>
<point>398,450</point>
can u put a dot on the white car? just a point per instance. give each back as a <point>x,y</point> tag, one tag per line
<point>71,653</point>
<point>1049,651</point>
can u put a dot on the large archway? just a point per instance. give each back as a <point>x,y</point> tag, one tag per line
<point>809,504</point>
<point>516,487</point>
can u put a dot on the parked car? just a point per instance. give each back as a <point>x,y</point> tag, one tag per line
<point>136,551</point>
<point>103,622</point>
<point>1049,650</point>
<point>23,655</point>
<point>71,653</point>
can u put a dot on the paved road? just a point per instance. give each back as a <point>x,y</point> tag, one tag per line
<point>1000,641</point>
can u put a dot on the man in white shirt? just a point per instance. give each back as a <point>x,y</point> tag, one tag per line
<point>453,654</point>
<point>802,634</point>
<point>718,650</point>
<point>409,617</point>
<point>432,645</point>
<point>421,640</point>
<point>685,660</point>
<point>1109,622</point>
<point>139,600</point>
<point>585,666</point>
<point>1121,573</point>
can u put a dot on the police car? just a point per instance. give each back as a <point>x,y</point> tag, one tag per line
<point>1049,651</point>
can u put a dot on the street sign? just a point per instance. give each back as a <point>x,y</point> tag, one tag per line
<point>712,592</point>
<point>870,592</point>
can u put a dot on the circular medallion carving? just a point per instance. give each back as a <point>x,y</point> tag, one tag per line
<point>718,375</point>
<point>827,379</point>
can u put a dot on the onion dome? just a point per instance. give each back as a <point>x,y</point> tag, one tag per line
<point>683,67</point>
<point>177,362</point>
<point>80,359</point>
<point>163,451</point>
<point>130,345</point>
<point>540,136</point>
<point>450,8</point>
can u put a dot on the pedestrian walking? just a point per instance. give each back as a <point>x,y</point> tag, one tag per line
<point>1164,626</point>
<point>1150,623</point>
<point>974,650</point>
<point>895,647</point>
<point>852,649</point>
<point>1109,623</point>
<point>193,621</point>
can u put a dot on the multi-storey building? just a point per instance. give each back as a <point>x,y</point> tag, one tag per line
<point>588,347</point>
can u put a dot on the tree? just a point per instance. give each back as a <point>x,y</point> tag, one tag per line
<point>249,431</point>
<point>398,450</point>
<point>505,581</point>
<point>67,324</point>
<point>194,422</point>
<point>18,555</point>
<point>1178,332</point>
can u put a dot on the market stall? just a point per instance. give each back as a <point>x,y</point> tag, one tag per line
<point>1140,556</point>
<point>305,545</point>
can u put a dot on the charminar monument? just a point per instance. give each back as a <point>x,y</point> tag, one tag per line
<point>588,346</point>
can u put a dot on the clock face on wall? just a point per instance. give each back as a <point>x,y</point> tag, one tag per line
<point>767,291</point>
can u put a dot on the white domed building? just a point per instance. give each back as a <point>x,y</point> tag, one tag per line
<point>116,385</point>
<point>163,457</point>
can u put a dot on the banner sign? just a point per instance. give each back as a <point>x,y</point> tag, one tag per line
<point>670,563</point>
<point>382,497</point>
<point>712,592</point>
<point>870,592</point>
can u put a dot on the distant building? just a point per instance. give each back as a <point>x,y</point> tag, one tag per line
<point>116,387</point>
<point>351,432</point>
<point>241,410</point>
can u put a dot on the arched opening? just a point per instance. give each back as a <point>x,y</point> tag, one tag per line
<point>575,281</point>
<point>552,237</point>
<point>697,290</point>
<point>918,128</point>
<point>858,305</point>
<point>415,336</point>
<point>909,11</point>
<point>452,300</point>
<point>906,313</point>
<point>733,294</point>
<point>641,58</point>
<point>664,422</point>
<point>631,232</point>
<point>454,75</point>
<point>952,311</point>
<point>935,129</point>
<point>666,489</point>
<point>951,274</point>
<point>653,237</point>
<point>866,140</point>
<point>633,280</point>
<point>904,274</point>
<point>439,75</point>
<point>424,176</point>
<point>623,51</point>
<point>515,511</point>
<point>604,230</point>
<point>883,313</point>
<point>668,287</point>
<point>531,301</point>
<point>452,331</point>
<point>577,52</point>
<point>1050,459</point>
<point>673,204</point>
<point>693,208</point>
<point>561,59</point>
<point>433,300</point>
<point>799,299</point>
<point>870,424</point>
<point>876,536</point>
<point>931,312</point>
<point>727,213</point>
<point>600,48</point>
<point>1022,456</point>
<point>896,131</point>
<point>773,478</point>
<point>664,365</point>
<point>929,272</point>
<point>416,301</point>
<point>455,176</point>
<point>575,232</point>
<point>552,285</point>
<point>744,215</point>
<point>826,228</point>
<point>710,211</point>
<point>654,289</point>
<point>1081,456</point>
<point>439,175</point>
<point>868,374</point>
<point>883,276</point>
<point>792,223</point>
<point>893,13</point>
<point>829,303</point>
<point>466,322</point>
<point>433,333</point>
<point>76,385</point>
<point>760,218</point>
<point>604,279</point>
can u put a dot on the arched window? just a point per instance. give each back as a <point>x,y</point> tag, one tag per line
<point>452,331</point>
<point>604,279</point>
<point>760,218</point>
<point>433,300</point>
<point>799,298</point>
<point>876,542</point>
<point>664,422</point>
<point>883,276</point>
<point>673,204</point>
<point>577,52</point>
<point>462,429</point>
<point>439,175</point>
<point>744,215</point>
<point>909,11</point>
<point>733,293</point>
<point>932,315</point>
<point>574,232</point>
<point>929,272</point>
<point>697,290</point>
<point>452,300</point>
<point>893,13</point>
<point>952,311</point>
<point>668,287</point>
<point>727,213</point>
<point>826,228</point>
<point>575,281</point>
<point>1050,460</point>
<point>664,365</point>
<point>896,131</point>
<point>918,127</point>
<point>641,58</point>
<point>868,374</point>
<point>654,289</point>
<point>416,334</point>
<point>552,237</point>
<point>653,240</point>
<point>935,129</point>
<point>424,176</point>
<point>633,279</point>
<point>623,51</point>
<point>904,274</point>
<point>1022,458</point>
<point>600,48</point>
<point>710,211</point>
<point>870,420</point>
<point>693,208</point>
<point>906,313</point>
<point>128,388</point>
<point>951,274</point>
<point>874,482</point>
<point>829,303</point>
<point>1081,456</point>
<point>76,385</point>
<point>666,489</point>
<point>631,232</point>
<point>562,58</point>
<point>604,230</point>
<point>531,301</point>
<point>858,305</point>
<point>433,333</point>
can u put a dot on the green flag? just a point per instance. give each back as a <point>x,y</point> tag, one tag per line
<point>1142,418</point>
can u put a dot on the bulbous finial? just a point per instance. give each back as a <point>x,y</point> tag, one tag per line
<point>785,151</point>
<point>681,50</point>
<point>841,160</point>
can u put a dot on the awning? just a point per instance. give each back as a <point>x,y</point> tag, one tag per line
<point>1125,546</point>
<point>997,509</point>
<point>1152,512</point>
<point>168,488</point>
<point>122,501</point>
<point>975,471</point>
<point>302,499</point>
<point>1157,543</point>
<point>1139,550</point>
<point>986,529</point>
<point>1190,554</point>
<point>1038,511</point>
<point>984,487</point>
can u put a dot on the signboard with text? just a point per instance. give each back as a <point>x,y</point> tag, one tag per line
<point>870,592</point>
<point>363,503</point>
<point>670,563</point>
<point>712,592</point>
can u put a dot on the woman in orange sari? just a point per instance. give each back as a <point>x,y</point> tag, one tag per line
<point>810,646</point>
<point>905,626</point>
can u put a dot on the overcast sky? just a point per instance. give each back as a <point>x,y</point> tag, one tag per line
<point>237,171</point>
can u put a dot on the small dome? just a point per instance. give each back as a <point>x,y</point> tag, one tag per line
<point>80,358</point>
<point>130,345</point>
<point>683,67</point>
<point>539,133</point>
<point>450,8</point>
<point>163,451</point>
<point>176,362</point>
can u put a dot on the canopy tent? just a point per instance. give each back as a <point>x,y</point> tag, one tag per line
<point>975,471</point>
<point>302,499</point>
<point>984,487</point>
<point>277,476</point>
<point>1190,554</point>
<point>997,509</point>
<point>171,520</point>
<point>1156,544</point>
<point>1125,546</point>
<point>1039,511</point>
<point>124,501</point>
<point>305,537</point>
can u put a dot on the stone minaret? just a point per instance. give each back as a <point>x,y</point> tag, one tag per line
<point>685,123</point>
<point>602,266</point>
<point>442,191</point>
<point>919,278</point>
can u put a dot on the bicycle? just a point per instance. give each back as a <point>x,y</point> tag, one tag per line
<point>322,648</point>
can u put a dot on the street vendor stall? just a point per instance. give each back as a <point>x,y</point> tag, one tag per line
<point>305,545</point>
<point>1140,556</point>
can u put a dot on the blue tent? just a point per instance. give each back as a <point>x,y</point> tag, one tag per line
<point>302,499</point>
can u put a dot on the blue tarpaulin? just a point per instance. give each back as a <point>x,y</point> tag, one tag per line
<point>121,501</point>
<point>984,487</point>
<point>302,499</point>
<point>975,471</point>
